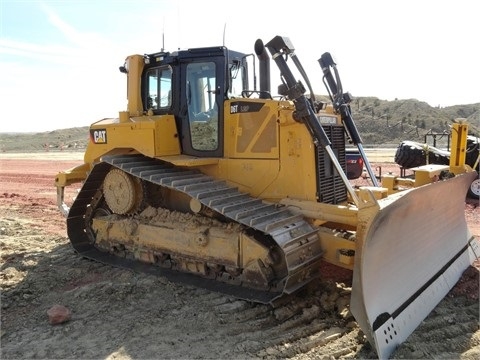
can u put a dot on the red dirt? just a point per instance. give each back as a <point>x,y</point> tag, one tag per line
<point>28,188</point>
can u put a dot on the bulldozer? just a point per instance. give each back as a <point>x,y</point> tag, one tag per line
<point>207,179</point>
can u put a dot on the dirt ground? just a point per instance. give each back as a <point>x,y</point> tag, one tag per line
<point>118,314</point>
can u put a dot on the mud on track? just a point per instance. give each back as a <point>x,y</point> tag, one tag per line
<point>119,314</point>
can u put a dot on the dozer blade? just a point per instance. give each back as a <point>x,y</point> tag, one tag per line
<point>408,256</point>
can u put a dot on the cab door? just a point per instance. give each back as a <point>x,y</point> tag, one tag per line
<point>201,112</point>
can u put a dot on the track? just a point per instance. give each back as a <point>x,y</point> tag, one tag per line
<point>291,233</point>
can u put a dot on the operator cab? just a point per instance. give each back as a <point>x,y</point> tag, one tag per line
<point>192,85</point>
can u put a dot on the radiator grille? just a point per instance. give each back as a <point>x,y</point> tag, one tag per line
<point>330,187</point>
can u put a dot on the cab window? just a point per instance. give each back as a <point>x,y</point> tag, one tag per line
<point>201,90</point>
<point>159,88</point>
<point>236,86</point>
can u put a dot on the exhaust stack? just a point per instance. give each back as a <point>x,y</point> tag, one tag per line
<point>264,65</point>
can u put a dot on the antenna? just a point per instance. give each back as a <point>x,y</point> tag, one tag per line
<point>224,27</point>
<point>163,35</point>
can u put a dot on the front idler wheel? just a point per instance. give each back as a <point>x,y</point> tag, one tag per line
<point>123,193</point>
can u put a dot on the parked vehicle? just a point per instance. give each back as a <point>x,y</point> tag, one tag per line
<point>411,154</point>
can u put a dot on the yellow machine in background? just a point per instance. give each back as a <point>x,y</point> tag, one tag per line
<point>205,175</point>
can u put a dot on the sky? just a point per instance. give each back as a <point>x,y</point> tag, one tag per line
<point>59,59</point>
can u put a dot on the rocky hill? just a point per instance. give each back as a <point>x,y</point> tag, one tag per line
<point>380,122</point>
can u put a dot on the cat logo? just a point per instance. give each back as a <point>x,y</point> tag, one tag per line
<point>98,136</point>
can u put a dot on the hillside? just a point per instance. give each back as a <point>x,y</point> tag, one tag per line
<point>380,123</point>
<point>64,139</point>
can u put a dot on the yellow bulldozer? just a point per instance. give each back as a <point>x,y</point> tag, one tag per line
<point>207,179</point>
